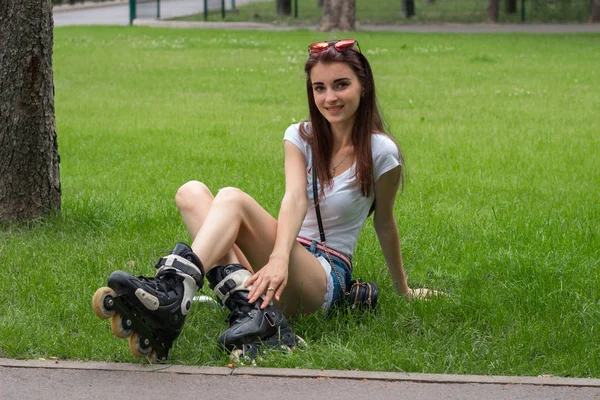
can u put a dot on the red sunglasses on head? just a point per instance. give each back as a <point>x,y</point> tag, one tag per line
<point>340,45</point>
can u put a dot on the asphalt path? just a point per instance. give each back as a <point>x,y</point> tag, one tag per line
<point>55,379</point>
<point>117,12</point>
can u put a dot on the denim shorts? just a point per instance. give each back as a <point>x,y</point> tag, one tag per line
<point>335,291</point>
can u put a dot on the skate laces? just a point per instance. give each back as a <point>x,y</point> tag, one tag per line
<point>162,284</point>
<point>239,307</point>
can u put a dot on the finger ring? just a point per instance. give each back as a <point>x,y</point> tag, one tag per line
<point>271,289</point>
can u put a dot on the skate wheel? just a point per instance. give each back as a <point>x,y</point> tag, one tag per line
<point>139,346</point>
<point>300,343</point>
<point>236,356</point>
<point>98,302</point>
<point>120,326</point>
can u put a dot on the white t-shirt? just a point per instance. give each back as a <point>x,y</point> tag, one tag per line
<point>344,209</point>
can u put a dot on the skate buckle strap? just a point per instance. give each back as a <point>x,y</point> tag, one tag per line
<point>234,282</point>
<point>173,261</point>
<point>269,319</point>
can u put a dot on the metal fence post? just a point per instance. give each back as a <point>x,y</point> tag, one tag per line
<point>409,8</point>
<point>157,9</point>
<point>295,8</point>
<point>205,10</point>
<point>222,9</point>
<point>522,10</point>
<point>132,11</point>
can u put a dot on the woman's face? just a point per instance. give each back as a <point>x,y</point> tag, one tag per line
<point>337,92</point>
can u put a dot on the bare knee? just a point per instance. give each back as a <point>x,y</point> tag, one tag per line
<point>230,195</point>
<point>191,194</point>
<point>232,199</point>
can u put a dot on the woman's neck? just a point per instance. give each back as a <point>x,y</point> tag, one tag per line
<point>342,136</point>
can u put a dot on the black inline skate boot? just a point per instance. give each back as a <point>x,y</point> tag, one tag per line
<point>151,311</point>
<point>251,330</point>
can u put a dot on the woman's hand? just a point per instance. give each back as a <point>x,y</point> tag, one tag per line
<point>423,294</point>
<point>270,280</point>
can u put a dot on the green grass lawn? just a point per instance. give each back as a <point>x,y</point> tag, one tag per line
<point>501,138</point>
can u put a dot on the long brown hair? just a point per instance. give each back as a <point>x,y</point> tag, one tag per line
<point>368,121</point>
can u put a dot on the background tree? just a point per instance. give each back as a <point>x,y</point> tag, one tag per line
<point>283,7</point>
<point>338,14</point>
<point>595,14</point>
<point>493,10</point>
<point>511,6</point>
<point>408,7</point>
<point>29,160</point>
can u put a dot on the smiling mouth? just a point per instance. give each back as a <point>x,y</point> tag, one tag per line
<point>334,109</point>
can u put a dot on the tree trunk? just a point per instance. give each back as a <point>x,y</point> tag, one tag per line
<point>329,18</point>
<point>284,7</point>
<point>29,160</point>
<point>595,13</point>
<point>408,8</point>
<point>511,6</point>
<point>338,14</point>
<point>493,10</point>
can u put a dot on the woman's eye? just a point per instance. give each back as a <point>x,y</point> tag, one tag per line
<point>342,85</point>
<point>319,89</point>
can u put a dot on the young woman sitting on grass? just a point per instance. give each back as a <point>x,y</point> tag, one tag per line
<point>261,267</point>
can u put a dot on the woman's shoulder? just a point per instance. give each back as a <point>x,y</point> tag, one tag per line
<point>296,134</point>
<point>383,143</point>
<point>386,154</point>
<point>298,129</point>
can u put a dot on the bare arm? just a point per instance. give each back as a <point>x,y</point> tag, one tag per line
<point>294,203</point>
<point>387,231</point>
<point>291,215</point>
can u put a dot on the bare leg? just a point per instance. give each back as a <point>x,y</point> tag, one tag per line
<point>236,218</point>
<point>193,200</point>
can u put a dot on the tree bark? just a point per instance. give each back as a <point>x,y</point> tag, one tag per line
<point>29,160</point>
<point>329,17</point>
<point>511,6</point>
<point>284,7</point>
<point>408,7</point>
<point>595,13</point>
<point>338,14</point>
<point>493,10</point>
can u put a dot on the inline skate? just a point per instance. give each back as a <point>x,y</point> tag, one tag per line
<point>151,311</point>
<point>251,330</point>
